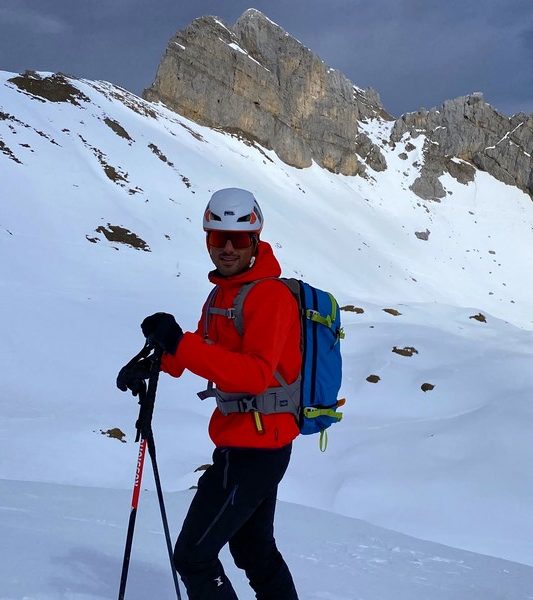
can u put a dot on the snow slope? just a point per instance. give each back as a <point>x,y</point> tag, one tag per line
<point>451,464</point>
<point>74,534</point>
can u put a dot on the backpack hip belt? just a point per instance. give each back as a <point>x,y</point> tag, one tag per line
<point>282,399</point>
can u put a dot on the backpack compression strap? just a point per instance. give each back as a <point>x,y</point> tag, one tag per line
<point>328,320</point>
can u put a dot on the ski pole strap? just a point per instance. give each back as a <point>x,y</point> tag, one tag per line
<point>144,352</point>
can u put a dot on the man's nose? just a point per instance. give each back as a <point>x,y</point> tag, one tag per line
<point>229,246</point>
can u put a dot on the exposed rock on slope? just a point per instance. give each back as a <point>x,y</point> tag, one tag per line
<point>54,88</point>
<point>257,81</point>
<point>472,131</point>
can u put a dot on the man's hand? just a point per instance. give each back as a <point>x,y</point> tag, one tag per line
<point>161,329</point>
<point>132,377</point>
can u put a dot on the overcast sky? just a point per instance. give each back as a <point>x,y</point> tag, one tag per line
<point>413,52</point>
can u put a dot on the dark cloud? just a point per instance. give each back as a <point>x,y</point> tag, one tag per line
<point>25,18</point>
<point>421,52</point>
<point>413,52</point>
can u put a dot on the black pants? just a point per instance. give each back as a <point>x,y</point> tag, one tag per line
<point>235,503</point>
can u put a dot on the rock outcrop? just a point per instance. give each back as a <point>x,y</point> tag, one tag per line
<point>465,133</point>
<point>255,80</point>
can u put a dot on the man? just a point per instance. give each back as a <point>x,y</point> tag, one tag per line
<point>236,496</point>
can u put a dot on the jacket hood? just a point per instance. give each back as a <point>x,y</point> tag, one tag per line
<point>265,265</point>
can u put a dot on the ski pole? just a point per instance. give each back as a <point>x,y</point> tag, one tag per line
<point>151,452</point>
<point>146,437</point>
<point>131,523</point>
<point>147,434</point>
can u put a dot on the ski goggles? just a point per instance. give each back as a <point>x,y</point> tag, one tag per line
<point>239,239</point>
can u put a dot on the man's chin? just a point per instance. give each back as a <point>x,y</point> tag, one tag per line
<point>228,270</point>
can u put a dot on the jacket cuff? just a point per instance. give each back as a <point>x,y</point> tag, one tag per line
<point>174,364</point>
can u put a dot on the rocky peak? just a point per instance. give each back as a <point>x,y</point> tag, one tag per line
<point>470,129</point>
<point>255,80</point>
<point>262,37</point>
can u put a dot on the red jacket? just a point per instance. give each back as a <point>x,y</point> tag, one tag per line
<point>271,342</point>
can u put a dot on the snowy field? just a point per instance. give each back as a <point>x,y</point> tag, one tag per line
<point>66,542</point>
<point>450,465</point>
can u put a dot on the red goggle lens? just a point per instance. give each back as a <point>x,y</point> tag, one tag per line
<point>239,240</point>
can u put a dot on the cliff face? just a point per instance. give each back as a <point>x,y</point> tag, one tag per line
<point>254,80</point>
<point>470,129</point>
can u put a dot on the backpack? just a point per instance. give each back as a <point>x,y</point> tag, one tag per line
<point>312,398</point>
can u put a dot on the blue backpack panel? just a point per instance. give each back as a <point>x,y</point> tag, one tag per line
<point>321,358</point>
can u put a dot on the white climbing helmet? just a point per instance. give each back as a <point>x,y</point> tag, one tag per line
<point>233,209</point>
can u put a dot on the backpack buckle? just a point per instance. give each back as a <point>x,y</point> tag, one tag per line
<point>247,404</point>
<point>230,313</point>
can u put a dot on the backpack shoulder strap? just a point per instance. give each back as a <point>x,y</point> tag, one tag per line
<point>293,284</point>
<point>238,304</point>
<point>208,308</point>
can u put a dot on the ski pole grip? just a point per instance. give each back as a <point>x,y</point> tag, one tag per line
<point>147,396</point>
<point>157,355</point>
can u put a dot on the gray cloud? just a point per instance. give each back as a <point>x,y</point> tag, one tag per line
<point>413,52</point>
<point>421,52</point>
<point>25,18</point>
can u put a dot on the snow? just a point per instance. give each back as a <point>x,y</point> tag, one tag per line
<point>505,137</point>
<point>76,541</point>
<point>253,12</point>
<point>219,22</point>
<point>237,48</point>
<point>449,466</point>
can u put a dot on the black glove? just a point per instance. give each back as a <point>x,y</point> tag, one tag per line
<point>162,330</point>
<point>132,377</point>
